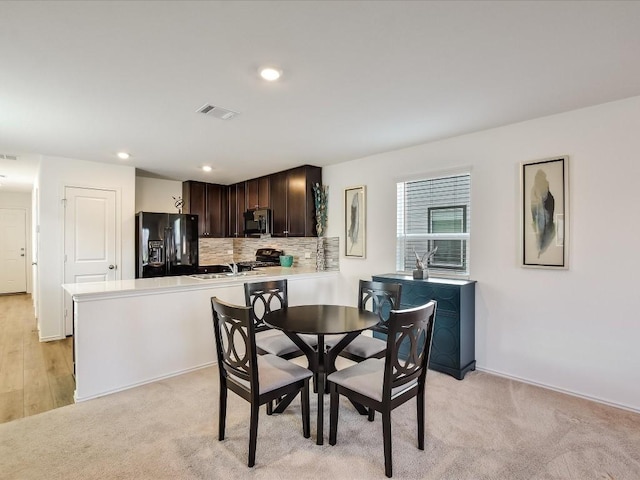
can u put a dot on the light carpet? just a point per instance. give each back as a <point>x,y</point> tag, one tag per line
<point>484,427</point>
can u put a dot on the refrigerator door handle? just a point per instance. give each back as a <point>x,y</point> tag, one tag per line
<point>169,250</point>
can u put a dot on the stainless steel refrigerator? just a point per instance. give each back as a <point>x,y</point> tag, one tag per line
<point>166,244</point>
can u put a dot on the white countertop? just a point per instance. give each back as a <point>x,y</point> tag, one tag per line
<point>149,286</point>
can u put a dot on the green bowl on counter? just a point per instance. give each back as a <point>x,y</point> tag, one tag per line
<point>286,260</point>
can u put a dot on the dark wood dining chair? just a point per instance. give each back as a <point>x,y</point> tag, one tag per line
<point>263,298</point>
<point>384,384</point>
<point>259,379</point>
<point>380,298</point>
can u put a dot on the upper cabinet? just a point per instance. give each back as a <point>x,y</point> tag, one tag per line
<point>289,195</point>
<point>279,203</point>
<point>236,195</point>
<point>292,201</point>
<point>209,202</point>
<point>258,192</point>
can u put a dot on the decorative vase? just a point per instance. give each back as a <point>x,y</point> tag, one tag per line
<point>420,274</point>
<point>320,256</point>
<point>320,196</point>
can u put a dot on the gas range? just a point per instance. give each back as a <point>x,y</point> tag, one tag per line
<point>265,257</point>
<point>256,264</point>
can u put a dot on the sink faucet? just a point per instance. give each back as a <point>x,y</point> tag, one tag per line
<point>233,267</point>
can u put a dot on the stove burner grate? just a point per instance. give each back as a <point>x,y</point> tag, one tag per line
<point>257,264</point>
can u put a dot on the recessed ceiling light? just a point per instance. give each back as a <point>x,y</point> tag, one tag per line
<point>270,74</point>
<point>207,168</point>
<point>123,155</point>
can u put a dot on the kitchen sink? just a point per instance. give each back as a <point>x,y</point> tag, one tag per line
<point>212,276</point>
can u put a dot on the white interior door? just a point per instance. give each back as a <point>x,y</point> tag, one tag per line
<point>35,248</point>
<point>89,240</point>
<point>13,237</point>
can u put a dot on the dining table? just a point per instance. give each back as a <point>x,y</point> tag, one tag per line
<point>321,320</point>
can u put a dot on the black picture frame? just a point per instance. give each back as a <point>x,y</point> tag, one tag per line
<point>355,222</point>
<point>544,192</point>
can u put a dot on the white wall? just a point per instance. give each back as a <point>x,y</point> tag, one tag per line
<point>54,175</point>
<point>576,330</point>
<point>22,201</point>
<point>155,195</point>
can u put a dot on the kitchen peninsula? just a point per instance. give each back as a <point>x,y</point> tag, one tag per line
<point>131,332</point>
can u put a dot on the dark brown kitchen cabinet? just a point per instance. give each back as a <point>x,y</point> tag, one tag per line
<point>236,195</point>
<point>209,202</point>
<point>279,203</point>
<point>258,192</point>
<point>292,202</point>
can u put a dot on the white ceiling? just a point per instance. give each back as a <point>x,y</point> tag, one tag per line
<point>85,80</point>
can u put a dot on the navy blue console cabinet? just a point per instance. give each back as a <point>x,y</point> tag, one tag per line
<point>453,347</point>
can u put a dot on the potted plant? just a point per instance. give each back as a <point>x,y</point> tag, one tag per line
<point>320,196</point>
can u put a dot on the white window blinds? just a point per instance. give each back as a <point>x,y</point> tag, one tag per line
<point>432,213</point>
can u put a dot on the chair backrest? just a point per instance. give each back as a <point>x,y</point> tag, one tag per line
<point>263,298</point>
<point>235,342</point>
<point>380,298</point>
<point>414,327</point>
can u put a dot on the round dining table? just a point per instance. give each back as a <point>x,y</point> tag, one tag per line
<point>321,320</point>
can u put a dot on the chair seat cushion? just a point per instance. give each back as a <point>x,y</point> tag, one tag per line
<point>279,344</point>
<point>331,340</point>
<point>366,378</point>
<point>365,347</point>
<point>270,332</point>
<point>311,340</point>
<point>275,372</point>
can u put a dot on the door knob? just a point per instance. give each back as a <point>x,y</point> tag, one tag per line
<point>22,254</point>
<point>112,267</point>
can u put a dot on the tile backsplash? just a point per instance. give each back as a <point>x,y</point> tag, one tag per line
<point>215,251</point>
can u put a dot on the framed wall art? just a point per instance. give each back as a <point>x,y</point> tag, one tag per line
<point>354,222</point>
<point>544,216</point>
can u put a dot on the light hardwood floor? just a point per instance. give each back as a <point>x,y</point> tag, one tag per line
<point>34,376</point>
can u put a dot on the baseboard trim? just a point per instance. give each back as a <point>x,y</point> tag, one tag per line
<point>138,384</point>
<point>51,338</point>
<point>559,390</point>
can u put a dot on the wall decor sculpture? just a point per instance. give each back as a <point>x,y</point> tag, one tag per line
<point>354,222</point>
<point>544,192</point>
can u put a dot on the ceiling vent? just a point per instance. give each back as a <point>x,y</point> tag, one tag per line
<point>218,112</point>
<point>7,157</point>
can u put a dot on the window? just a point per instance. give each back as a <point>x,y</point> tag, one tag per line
<point>434,212</point>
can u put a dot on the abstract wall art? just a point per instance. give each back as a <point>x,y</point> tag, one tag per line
<point>354,222</point>
<point>544,192</point>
